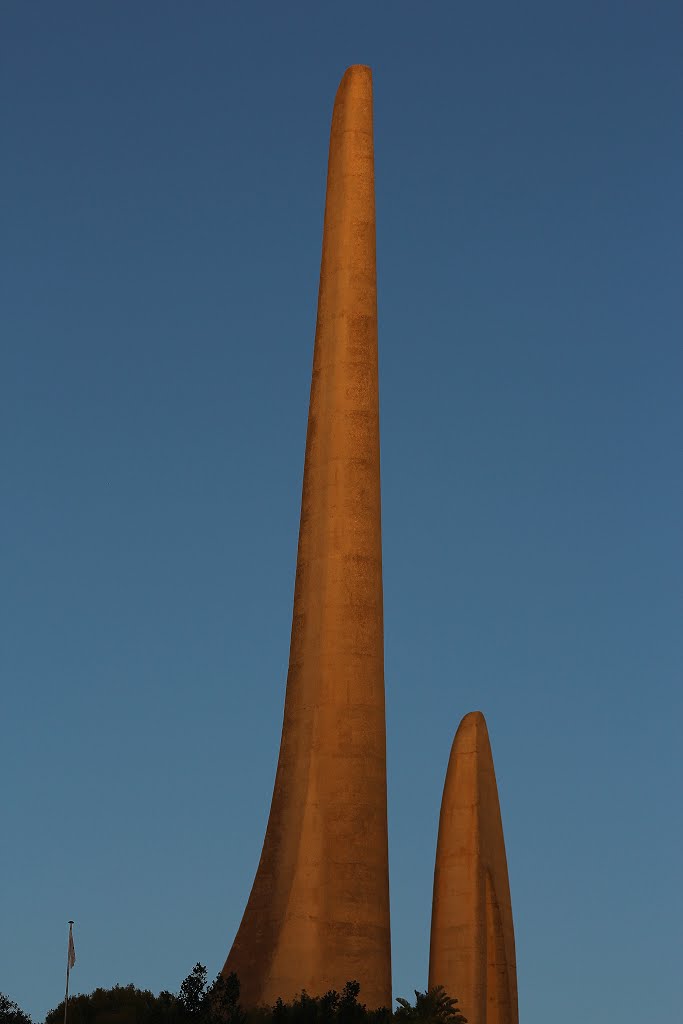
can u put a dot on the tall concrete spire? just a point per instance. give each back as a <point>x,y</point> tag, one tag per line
<point>472,950</point>
<point>318,913</point>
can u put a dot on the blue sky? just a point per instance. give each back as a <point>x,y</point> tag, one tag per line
<point>163,182</point>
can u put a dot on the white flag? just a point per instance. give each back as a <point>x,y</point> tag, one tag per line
<point>72,951</point>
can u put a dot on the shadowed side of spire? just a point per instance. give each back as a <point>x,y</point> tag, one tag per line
<point>472,952</point>
<point>318,913</point>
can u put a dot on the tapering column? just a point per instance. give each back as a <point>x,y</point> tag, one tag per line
<point>318,913</point>
<point>472,951</point>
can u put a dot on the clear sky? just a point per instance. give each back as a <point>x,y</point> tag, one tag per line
<point>163,177</point>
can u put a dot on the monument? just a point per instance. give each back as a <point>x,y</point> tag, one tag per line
<point>472,951</point>
<point>318,913</point>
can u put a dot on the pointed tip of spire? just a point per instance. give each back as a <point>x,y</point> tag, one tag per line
<point>470,733</point>
<point>473,721</point>
<point>474,718</point>
<point>353,102</point>
<point>358,78</point>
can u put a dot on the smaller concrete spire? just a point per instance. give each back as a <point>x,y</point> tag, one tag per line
<point>472,950</point>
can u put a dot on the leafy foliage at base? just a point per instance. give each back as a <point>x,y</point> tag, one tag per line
<point>432,1007</point>
<point>219,1003</point>
<point>122,1004</point>
<point>332,1008</point>
<point>10,1013</point>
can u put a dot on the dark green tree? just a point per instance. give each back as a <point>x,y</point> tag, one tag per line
<point>332,1008</point>
<point>11,1013</point>
<point>219,1003</point>
<point>222,1001</point>
<point>122,1004</point>
<point>432,1007</point>
<point>192,996</point>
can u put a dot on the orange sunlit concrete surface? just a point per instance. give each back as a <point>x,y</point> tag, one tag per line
<point>318,913</point>
<point>472,950</point>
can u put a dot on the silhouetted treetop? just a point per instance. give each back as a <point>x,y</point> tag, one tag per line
<point>199,1003</point>
<point>432,1007</point>
<point>11,1013</point>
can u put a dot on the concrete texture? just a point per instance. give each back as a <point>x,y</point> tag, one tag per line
<point>472,950</point>
<point>318,913</point>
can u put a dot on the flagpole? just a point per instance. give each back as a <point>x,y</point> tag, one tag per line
<point>68,968</point>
